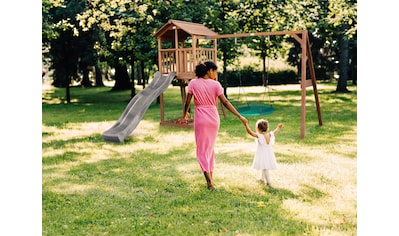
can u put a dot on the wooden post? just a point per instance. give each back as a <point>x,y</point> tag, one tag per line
<point>306,57</point>
<point>215,50</point>
<point>303,85</point>
<point>177,51</point>
<point>161,104</point>
<point>313,77</point>
<point>160,69</point>
<point>194,51</point>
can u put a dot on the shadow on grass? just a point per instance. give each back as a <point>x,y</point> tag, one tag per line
<point>148,194</point>
<point>61,158</point>
<point>310,193</point>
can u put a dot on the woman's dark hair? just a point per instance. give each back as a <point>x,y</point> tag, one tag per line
<point>203,68</point>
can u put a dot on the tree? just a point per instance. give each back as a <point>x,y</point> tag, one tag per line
<point>80,34</point>
<point>68,48</point>
<point>262,16</point>
<point>309,15</point>
<point>342,15</point>
<point>223,19</point>
<point>332,28</point>
<point>120,22</point>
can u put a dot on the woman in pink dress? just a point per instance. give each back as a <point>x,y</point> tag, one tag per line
<point>206,89</point>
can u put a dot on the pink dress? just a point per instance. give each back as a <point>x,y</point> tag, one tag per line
<point>264,156</point>
<point>206,119</point>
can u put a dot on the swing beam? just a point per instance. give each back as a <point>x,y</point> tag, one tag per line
<point>302,37</point>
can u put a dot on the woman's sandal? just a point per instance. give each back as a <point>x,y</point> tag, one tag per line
<point>211,187</point>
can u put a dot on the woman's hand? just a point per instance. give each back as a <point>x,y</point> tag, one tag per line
<point>186,116</point>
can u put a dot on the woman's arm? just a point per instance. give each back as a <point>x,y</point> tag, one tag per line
<point>226,103</point>
<point>187,105</point>
<point>249,131</point>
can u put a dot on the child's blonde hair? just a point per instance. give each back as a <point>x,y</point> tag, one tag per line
<point>262,125</point>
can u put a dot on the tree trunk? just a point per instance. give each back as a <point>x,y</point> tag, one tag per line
<point>99,77</point>
<point>353,63</point>
<point>343,65</point>
<point>142,73</point>
<point>68,90</point>
<point>264,82</point>
<point>122,80</point>
<point>133,88</point>
<point>139,75</point>
<point>85,80</point>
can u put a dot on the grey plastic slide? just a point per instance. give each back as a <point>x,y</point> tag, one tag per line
<point>137,107</point>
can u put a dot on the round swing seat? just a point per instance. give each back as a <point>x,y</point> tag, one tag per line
<point>255,110</point>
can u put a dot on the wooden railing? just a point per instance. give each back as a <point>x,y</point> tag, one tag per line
<point>205,54</point>
<point>168,61</point>
<point>182,61</point>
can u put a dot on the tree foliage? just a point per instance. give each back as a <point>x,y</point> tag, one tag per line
<point>79,34</point>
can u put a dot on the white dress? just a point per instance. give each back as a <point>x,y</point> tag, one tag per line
<point>264,155</point>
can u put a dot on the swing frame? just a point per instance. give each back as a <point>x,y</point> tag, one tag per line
<point>302,37</point>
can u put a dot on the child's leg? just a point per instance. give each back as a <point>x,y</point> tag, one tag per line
<point>262,175</point>
<point>267,176</point>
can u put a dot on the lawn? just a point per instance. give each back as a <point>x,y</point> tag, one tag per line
<point>152,184</point>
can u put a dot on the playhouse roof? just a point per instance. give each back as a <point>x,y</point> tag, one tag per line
<point>188,27</point>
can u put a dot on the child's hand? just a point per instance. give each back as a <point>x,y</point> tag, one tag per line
<point>280,125</point>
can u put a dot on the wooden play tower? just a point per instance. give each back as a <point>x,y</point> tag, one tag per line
<point>182,45</point>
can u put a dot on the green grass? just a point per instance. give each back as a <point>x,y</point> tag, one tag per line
<point>152,184</point>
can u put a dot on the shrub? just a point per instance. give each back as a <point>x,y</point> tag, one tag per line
<point>254,78</point>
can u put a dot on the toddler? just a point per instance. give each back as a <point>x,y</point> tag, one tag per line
<point>264,159</point>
